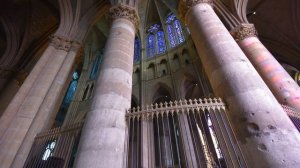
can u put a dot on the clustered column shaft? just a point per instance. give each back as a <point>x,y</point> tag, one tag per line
<point>263,129</point>
<point>20,122</point>
<point>103,138</point>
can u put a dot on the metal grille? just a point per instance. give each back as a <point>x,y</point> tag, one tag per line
<point>55,148</point>
<point>183,134</point>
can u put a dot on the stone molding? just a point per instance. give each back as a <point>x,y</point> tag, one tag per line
<point>126,12</point>
<point>191,3</point>
<point>243,31</point>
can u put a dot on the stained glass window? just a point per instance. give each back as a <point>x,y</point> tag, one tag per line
<point>175,33</point>
<point>137,49</point>
<point>179,31</point>
<point>161,44</point>
<point>71,89</point>
<point>171,35</point>
<point>96,65</point>
<point>150,46</point>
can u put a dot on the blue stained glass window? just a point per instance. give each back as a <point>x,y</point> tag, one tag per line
<point>137,50</point>
<point>95,67</point>
<point>154,28</point>
<point>179,31</point>
<point>71,89</point>
<point>171,35</point>
<point>170,18</point>
<point>150,46</point>
<point>161,44</point>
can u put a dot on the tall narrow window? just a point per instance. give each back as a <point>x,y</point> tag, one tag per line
<point>171,35</point>
<point>175,33</point>
<point>178,31</point>
<point>150,46</point>
<point>161,44</point>
<point>72,88</point>
<point>156,43</point>
<point>96,65</point>
<point>137,49</point>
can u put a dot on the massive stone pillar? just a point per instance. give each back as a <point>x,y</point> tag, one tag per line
<point>284,88</point>
<point>50,106</point>
<point>28,100</point>
<point>264,132</point>
<point>103,137</point>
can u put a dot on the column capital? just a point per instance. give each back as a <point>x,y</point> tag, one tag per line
<point>60,42</point>
<point>243,31</point>
<point>126,12</point>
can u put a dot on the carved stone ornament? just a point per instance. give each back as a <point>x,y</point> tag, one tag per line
<point>191,3</point>
<point>124,11</point>
<point>243,31</point>
<point>60,43</point>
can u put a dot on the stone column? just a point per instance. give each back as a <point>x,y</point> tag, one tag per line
<point>11,89</point>
<point>50,106</point>
<point>284,88</point>
<point>16,102</point>
<point>103,137</point>
<point>264,132</point>
<point>28,108</point>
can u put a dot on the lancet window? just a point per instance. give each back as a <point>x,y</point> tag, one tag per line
<point>137,49</point>
<point>156,43</point>
<point>174,29</point>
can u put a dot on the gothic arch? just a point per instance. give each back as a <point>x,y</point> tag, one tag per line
<point>162,92</point>
<point>190,87</point>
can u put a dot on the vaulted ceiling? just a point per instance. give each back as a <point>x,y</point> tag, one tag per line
<point>29,22</point>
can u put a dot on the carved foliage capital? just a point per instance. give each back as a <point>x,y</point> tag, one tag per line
<point>126,12</point>
<point>243,31</point>
<point>60,43</point>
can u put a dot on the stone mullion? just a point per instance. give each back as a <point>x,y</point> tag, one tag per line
<point>262,128</point>
<point>103,135</point>
<point>283,86</point>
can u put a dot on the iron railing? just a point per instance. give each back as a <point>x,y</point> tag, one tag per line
<point>185,133</point>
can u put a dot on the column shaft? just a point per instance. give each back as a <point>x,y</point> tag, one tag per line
<point>16,102</point>
<point>48,110</point>
<point>24,117</point>
<point>284,88</point>
<point>264,132</point>
<point>103,139</point>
